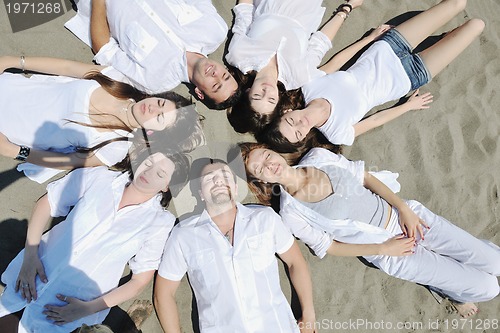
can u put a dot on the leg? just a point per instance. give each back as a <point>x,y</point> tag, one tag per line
<point>439,55</point>
<point>418,28</point>
<point>9,323</point>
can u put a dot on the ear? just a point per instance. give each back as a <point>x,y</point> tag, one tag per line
<point>165,189</point>
<point>201,195</point>
<point>199,93</point>
<point>286,111</point>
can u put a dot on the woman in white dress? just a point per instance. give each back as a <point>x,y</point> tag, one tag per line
<point>336,103</point>
<point>92,115</point>
<point>337,208</point>
<point>70,275</point>
<point>277,46</point>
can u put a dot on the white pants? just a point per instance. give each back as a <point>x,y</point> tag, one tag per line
<point>463,267</point>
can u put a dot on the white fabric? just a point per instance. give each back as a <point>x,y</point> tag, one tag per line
<point>84,256</point>
<point>37,112</point>
<point>150,38</point>
<point>376,78</point>
<point>449,258</point>
<point>284,28</point>
<point>237,288</point>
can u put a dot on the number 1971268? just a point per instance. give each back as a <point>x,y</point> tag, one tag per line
<point>33,8</point>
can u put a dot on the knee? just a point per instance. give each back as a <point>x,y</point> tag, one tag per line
<point>490,288</point>
<point>459,4</point>
<point>476,25</point>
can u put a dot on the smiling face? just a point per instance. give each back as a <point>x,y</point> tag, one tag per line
<point>154,113</point>
<point>294,125</point>
<point>218,185</point>
<point>153,174</point>
<point>266,165</point>
<point>213,80</point>
<point>263,97</point>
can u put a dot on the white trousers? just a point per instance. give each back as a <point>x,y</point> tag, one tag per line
<point>460,265</point>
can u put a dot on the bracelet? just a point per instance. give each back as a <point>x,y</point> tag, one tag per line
<point>23,153</point>
<point>342,6</point>
<point>344,17</point>
<point>22,61</point>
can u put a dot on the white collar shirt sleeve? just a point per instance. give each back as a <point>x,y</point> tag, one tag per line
<point>237,287</point>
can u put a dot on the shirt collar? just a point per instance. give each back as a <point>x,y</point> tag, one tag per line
<point>242,212</point>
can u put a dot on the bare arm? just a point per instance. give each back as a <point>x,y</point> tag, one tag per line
<point>50,159</point>
<point>410,222</point>
<point>396,246</point>
<point>53,66</point>
<point>76,308</point>
<point>99,28</point>
<point>301,280</point>
<point>32,265</point>
<point>165,305</point>
<point>246,1</point>
<point>415,102</point>
<point>341,58</point>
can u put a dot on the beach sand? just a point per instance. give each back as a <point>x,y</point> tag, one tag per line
<point>448,158</point>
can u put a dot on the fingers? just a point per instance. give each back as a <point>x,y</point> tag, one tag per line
<point>41,273</point>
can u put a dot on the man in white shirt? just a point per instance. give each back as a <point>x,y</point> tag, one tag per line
<point>159,44</point>
<point>229,254</point>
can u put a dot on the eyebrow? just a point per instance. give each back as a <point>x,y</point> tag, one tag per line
<point>297,135</point>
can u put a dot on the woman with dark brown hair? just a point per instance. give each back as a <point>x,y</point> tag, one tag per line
<point>80,122</point>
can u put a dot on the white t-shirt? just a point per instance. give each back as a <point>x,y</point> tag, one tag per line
<point>84,256</point>
<point>150,38</point>
<point>376,78</point>
<point>285,28</point>
<point>237,288</point>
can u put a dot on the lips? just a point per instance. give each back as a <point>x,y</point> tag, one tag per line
<point>218,189</point>
<point>143,179</point>
<point>143,108</point>
<point>209,69</point>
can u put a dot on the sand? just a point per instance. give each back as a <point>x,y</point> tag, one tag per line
<point>448,158</point>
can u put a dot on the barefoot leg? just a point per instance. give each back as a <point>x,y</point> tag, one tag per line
<point>9,323</point>
<point>439,55</point>
<point>465,310</point>
<point>418,28</point>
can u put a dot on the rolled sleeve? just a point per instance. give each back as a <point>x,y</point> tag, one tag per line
<point>243,15</point>
<point>173,265</point>
<point>319,44</point>
<point>318,240</point>
<point>65,192</point>
<point>113,152</point>
<point>283,239</point>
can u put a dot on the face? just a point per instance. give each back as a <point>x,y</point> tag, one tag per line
<point>212,79</point>
<point>154,113</point>
<point>294,125</point>
<point>154,174</point>
<point>217,184</point>
<point>263,97</point>
<point>266,165</point>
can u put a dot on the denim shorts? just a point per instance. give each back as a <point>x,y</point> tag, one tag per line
<point>412,62</point>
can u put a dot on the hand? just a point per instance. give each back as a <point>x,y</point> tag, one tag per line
<point>26,281</point>
<point>73,310</point>
<point>379,31</point>
<point>307,324</point>
<point>410,223</point>
<point>398,246</point>
<point>419,102</point>
<point>355,3</point>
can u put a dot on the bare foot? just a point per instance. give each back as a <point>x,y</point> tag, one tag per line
<point>139,311</point>
<point>465,310</point>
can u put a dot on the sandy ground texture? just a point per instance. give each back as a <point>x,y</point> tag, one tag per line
<point>448,158</point>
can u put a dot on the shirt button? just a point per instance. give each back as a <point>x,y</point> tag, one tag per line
<point>152,14</point>
<point>142,46</point>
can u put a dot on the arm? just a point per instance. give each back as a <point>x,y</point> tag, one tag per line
<point>165,305</point>
<point>99,28</point>
<point>76,308</point>
<point>415,102</point>
<point>32,266</point>
<point>396,246</point>
<point>53,66</point>
<point>341,58</point>
<point>50,159</point>
<point>410,222</point>
<point>301,280</point>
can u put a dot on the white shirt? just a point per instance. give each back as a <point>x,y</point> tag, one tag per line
<point>258,36</point>
<point>317,231</point>
<point>237,288</point>
<point>41,112</point>
<point>150,38</point>
<point>84,256</point>
<point>376,78</point>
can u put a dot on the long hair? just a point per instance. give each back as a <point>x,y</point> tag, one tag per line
<point>179,176</point>
<point>244,118</point>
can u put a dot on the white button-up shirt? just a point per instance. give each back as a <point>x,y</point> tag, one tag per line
<point>150,38</point>
<point>237,287</point>
<point>84,256</point>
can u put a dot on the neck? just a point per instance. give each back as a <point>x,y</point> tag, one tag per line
<point>191,59</point>
<point>132,196</point>
<point>318,111</point>
<point>269,72</point>
<point>223,215</point>
<point>295,180</point>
